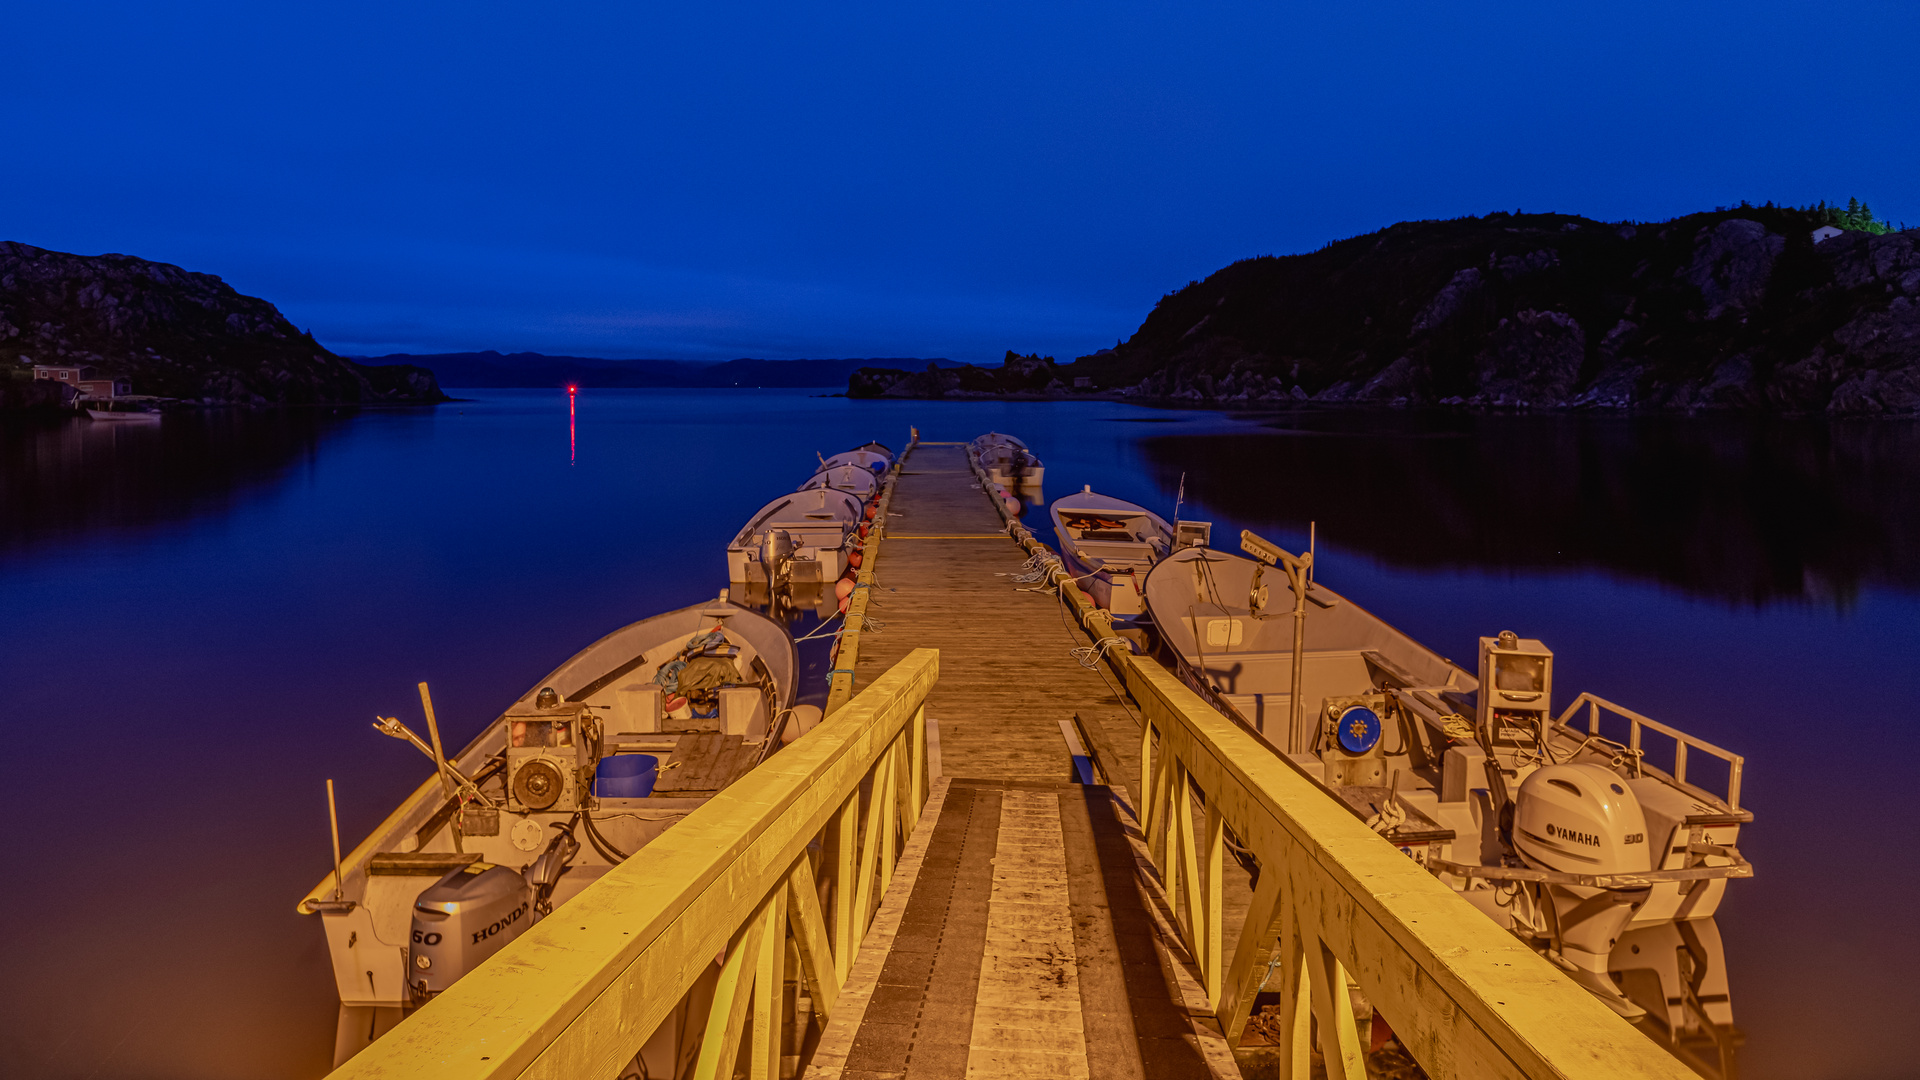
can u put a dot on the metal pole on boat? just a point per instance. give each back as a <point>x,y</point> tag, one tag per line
<point>433,732</point>
<point>1299,568</point>
<point>333,819</point>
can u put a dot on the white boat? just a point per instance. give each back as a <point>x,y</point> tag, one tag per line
<point>873,457</point>
<point>586,767</point>
<point>1574,842</point>
<point>1006,460</point>
<point>1110,544</point>
<point>127,407</point>
<point>796,538</point>
<point>856,479</point>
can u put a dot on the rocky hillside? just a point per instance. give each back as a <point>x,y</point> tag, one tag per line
<point>1736,309</point>
<point>175,333</point>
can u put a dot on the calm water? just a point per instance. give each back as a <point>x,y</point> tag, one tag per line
<point>198,623</point>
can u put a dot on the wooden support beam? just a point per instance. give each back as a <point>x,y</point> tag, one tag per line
<point>865,897</point>
<point>817,960</point>
<point>1333,1011</point>
<point>1250,955</point>
<point>720,1046</point>
<point>1296,996</point>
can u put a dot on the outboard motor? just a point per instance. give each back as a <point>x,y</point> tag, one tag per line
<point>1583,819</point>
<point>461,920</point>
<point>775,552</point>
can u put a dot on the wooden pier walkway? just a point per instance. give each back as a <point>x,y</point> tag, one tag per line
<point>1019,937</point>
<point>927,885</point>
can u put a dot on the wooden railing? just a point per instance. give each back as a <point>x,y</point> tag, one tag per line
<point>1465,997</point>
<point>580,993</point>
<point>1339,906</point>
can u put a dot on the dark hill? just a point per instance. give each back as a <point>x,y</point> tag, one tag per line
<point>492,369</point>
<point>175,333</point>
<point>1736,309</point>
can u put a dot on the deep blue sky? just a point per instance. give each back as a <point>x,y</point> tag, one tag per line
<point>715,180</point>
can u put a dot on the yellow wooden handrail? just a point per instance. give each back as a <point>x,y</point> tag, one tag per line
<point>1467,999</point>
<point>580,993</point>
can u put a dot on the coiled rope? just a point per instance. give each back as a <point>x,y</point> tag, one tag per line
<point>1090,656</point>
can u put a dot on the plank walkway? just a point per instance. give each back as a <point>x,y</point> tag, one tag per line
<point>1020,937</point>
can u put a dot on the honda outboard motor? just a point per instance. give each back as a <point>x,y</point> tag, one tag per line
<point>776,550</point>
<point>461,920</point>
<point>1583,819</point>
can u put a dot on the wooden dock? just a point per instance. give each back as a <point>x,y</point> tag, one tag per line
<point>928,884</point>
<point>1020,936</point>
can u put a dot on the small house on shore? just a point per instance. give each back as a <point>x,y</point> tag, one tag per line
<point>85,379</point>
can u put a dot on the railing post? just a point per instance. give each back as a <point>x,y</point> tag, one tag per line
<point>1680,760</point>
<point>918,768</point>
<point>845,831</point>
<point>1210,867</point>
<point>889,818</point>
<point>1186,857</point>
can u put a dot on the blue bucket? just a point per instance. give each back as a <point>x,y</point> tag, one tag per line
<point>626,776</point>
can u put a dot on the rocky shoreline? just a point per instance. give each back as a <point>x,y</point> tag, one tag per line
<point>174,333</point>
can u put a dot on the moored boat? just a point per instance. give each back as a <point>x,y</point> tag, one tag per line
<point>799,537</point>
<point>134,407</point>
<point>1110,544</point>
<point>1006,460</point>
<point>589,765</point>
<point>874,461</point>
<point>1569,839</point>
<point>857,479</point>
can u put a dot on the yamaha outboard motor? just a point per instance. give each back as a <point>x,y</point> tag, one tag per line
<point>461,920</point>
<point>1583,819</point>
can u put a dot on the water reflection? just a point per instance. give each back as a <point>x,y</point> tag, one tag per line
<point>67,477</point>
<point>1745,511</point>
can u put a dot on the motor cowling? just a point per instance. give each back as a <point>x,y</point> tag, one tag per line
<point>1583,819</point>
<point>460,921</point>
<point>776,548</point>
<point>1580,819</point>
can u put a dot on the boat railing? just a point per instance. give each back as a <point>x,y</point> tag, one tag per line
<point>807,845</point>
<point>1683,743</point>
